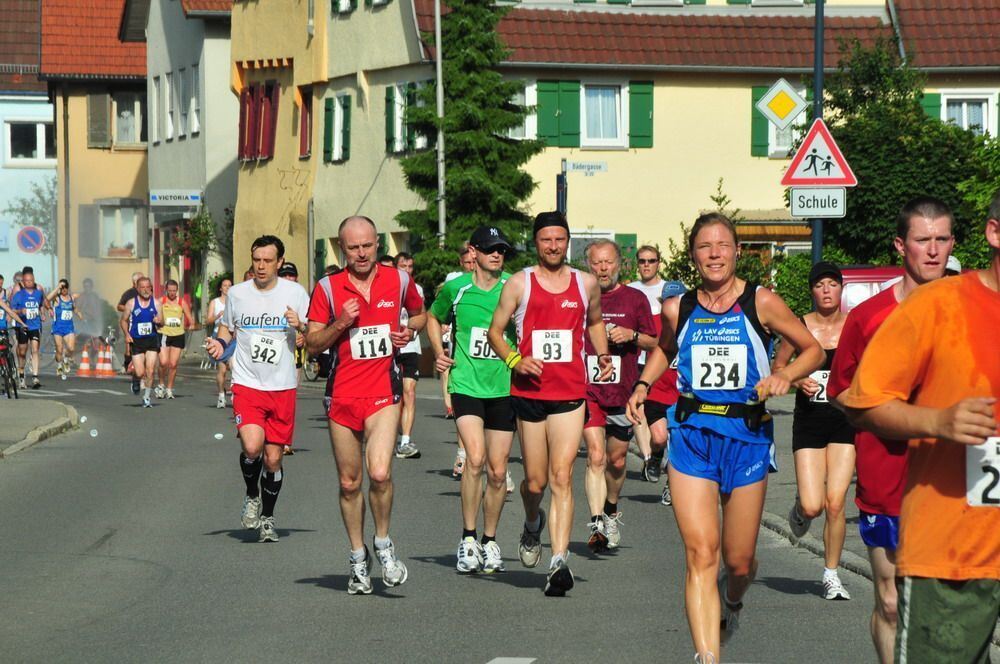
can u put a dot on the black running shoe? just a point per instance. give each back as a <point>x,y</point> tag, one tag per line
<point>35,383</point>
<point>560,580</point>
<point>135,385</point>
<point>651,469</point>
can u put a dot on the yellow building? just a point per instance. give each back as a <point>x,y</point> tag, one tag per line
<point>97,84</point>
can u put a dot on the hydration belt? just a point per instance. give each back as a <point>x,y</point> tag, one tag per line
<point>753,415</point>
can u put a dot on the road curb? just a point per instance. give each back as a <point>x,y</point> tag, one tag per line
<point>38,434</point>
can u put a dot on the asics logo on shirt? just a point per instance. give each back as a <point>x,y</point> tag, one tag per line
<point>385,304</point>
<point>569,304</point>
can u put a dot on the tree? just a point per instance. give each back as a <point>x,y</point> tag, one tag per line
<point>894,147</point>
<point>977,192</point>
<point>38,209</point>
<point>484,180</point>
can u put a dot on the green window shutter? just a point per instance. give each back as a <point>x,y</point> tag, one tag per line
<point>383,243</point>
<point>319,258</point>
<point>738,2</point>
<point>619,2</point>
<point>354,5</point>
<point>89,229</point>
<point>328,130</point>
<point>758,123</point>
<point>640,114</point>
<point>694,2</point>
<point>628,243</point>
<point>579,2</point>
<point>411,102</point>
<point>345,132</point>
<point>548,112</point>
<point>390,120</point>
<point>931,103</point>
<point>569,114</point>
<point>99,120</point>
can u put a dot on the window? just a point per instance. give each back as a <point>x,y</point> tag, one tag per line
<point>344,6</point>
<point>119,232</point>
<point>579,239</point>
<point>130,113</point>
<point>974,110</point>
<point>527,96</point>
<point>168,98</point>
<point>305,122</point>
<point>182,101</point>
<point>154,112</point>
<point>258,120</point>
<point>395,115</point>
<point>194,116</point>
<point>337,128</point>
<point>602,113</point>
<point>29,143</point>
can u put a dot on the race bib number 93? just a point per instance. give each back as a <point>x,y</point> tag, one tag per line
<point>552,345</point>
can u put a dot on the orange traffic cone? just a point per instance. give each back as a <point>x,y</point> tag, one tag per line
<point>84,368</point>
<point>104,369</point>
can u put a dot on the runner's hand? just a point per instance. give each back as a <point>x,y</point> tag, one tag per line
<point>300,340</point>
<point>442,363</point>
<point>129,339</point>
<point>970,421</point>
<point>808,386</point>
<point>213,348</point>
<point>292,318</point>
<point>349,312</point>
<point>606,365</point>
<point>529,366</point>
<point>620,335</point>
<point>635,410</point>
<point>401,337</point>
<point>774,385</point>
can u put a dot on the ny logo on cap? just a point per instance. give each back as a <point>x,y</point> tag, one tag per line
<point>494,232</point>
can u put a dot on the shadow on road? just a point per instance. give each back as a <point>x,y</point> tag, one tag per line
<point>515,576</point>
<point>248,536</point>
<point>792,586</point>
<point>339,582</point>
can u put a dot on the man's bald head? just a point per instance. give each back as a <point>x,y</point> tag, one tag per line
<point>354,222</point>
<point>359,242</point>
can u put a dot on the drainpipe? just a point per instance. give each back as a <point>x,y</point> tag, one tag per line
<point>66,203</point>
<point>897,29</point>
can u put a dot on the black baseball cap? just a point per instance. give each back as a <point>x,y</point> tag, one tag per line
<point>824,269</point>
<point>489,238</point>
<point>288,269</point>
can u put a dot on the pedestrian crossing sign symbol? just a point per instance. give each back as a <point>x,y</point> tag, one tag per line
<point>781,104</point>
<point>819,162</point>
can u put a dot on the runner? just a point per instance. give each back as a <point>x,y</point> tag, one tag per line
<point>129,294</point>
<point>139,322</point>
<point>358,312</point>
<point>722,445</point>
<point>931,374</point>
<point>6,314</point>
<point>258,331</point>
<point>28,301</point>
<point>467,263</point>
<point>177,320</point>
<point>90,329</point>
<point>214,320</point>
<point>647,261</point>
<point>63,304</point>
<point>290,272</point>
<point>480,386</point>
<point>552,305</point>
<point>607,432</point>
<point>924,240</point>
<point>409,362</point>
<point>822,440</point>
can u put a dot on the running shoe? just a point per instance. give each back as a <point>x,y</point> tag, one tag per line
<point>24,385</point>
<point>360,580</point>
<point>170,393</point>
<point>665,497</point>
<point>158,392</point>
<point>221,401</point>
<point>798,523</point>
<point>560,579</point>
<point>459,467</point>
<point>598,540</point>
<point>449,414</point>
<point>833,589</point>
<point>470,556</point>
<point>146,403</point>
<point>407,451</point>
<point>492,560</point>
<point>393,570</point>
<point>651,470</point>
<point>251,513</point>
<point>35,383</point>
<point>135,385</point>
<point>709,658</point>
<point>288,451</point>
<point>267,531</point>
<point>730,622</point>
<point>510,484</point>
<point>529,549</point>
<point>612,528</point>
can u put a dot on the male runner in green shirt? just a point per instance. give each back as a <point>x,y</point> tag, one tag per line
<point>479,384</point>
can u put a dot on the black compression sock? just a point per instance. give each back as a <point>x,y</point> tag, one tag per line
<point>595,518</point>
<point>251,473</point>
<point>487,539</point>
<point>468,533</point>
<point>610,508</point>
<point>270,485</point>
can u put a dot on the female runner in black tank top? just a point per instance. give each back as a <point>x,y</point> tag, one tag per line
<point>822,440</point>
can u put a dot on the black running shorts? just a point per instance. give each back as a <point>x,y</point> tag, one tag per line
<point>496,413</point>
<point>536,410</point>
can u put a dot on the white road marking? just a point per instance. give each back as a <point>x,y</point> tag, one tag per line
<point>512,660</point>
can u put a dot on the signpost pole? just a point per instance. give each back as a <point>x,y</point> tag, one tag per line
<point>817,224</point>
<point>561,189</point>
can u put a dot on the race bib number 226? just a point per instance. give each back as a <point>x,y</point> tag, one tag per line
<point>982,473</point>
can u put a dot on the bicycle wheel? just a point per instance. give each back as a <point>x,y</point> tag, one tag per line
<point>311,369</point>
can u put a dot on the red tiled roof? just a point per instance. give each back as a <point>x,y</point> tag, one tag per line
<point>211,6</point>
<point>80,38</point>
<point>19,46</point>
<point>580,36</point>
<point>950,33</point>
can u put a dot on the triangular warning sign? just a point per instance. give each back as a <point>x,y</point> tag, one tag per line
<point>819,162</point>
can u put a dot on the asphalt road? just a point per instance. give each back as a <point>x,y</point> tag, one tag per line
<point>121,542</point>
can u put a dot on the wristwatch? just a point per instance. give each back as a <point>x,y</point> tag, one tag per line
<point>635,335</point>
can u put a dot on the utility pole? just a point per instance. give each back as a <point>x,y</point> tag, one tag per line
<point>817,224</point>
<point>442,225</point>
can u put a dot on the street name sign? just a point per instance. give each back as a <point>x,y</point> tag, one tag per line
<point>818,202</point>
<point>175,197</point>
<point>781,104</point>
<point>587,167</point>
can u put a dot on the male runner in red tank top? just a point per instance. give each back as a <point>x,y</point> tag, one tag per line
<point>552,305</point>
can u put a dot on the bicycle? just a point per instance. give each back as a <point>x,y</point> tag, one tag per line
<point>8,368</point>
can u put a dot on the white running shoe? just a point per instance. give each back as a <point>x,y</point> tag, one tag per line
<point>470,556</point>
<point>170,393</point>
<point>510,484</point>
<point>360,580</point>
<point>158,392</point>
<point>665,497</point>
<point>833,589</point>
<point>612,528</point>
<point>221,401</point>
<point>529,549</point>
<point>267,532</point>
<point>251,513</point>
<point>146,403</point>
<point>798,523</point>
<point>493,561</point>
<point>393,570</point>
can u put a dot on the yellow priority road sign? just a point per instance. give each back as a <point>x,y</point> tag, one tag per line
<point>781,104</point>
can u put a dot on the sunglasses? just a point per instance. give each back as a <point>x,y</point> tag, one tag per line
<point>648,261</point>
<point>496,249</point>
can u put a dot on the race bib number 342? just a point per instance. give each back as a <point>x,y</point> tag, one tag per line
<point>719,366</point>
<point>982,473</point>
<point>552,345</point>
<point>265,350</point>
<point>370,342</point>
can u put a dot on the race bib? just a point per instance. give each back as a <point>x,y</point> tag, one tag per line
<point>594,370</point>
<point>821,377</point>
<point>371,342</point>
<point>31,313</point>
<point>719,367</point>
<point>479,347</point>
<point>266,350</point>
<point>552,345</point>
<point>66,314</point>
<point>982,473</point>
<point>173,322</point>
<point>144,329</point>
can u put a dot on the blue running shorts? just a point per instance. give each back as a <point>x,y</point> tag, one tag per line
<point>729,463</point>
<point>879,530</point>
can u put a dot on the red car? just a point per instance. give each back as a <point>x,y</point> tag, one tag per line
<point>863,281</point>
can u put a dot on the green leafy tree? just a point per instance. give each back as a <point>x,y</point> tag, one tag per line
<point>977,193</point>
<point>791,277</point>
<point>484,180</point>
<point>894,147</point>
<point>38,209</point>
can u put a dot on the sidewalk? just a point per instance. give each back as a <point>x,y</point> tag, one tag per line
<point>28,422</point>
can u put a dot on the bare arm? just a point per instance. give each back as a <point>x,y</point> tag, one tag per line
<point>776,315</point>
<point>657,360</point>
<point>969,422</point>
<point>123,320</point>
<point>213,347</point>
<point>12,314</point>
<point>320,336</point>
<point>435,335</point>
<point>510,296</point>
<point>595,326</point>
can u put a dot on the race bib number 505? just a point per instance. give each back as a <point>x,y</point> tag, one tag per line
<point>479,347</point>
<point>982,473</point>
<point>370,342</point>
<point>719,367</point>
<point>552,345</point>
